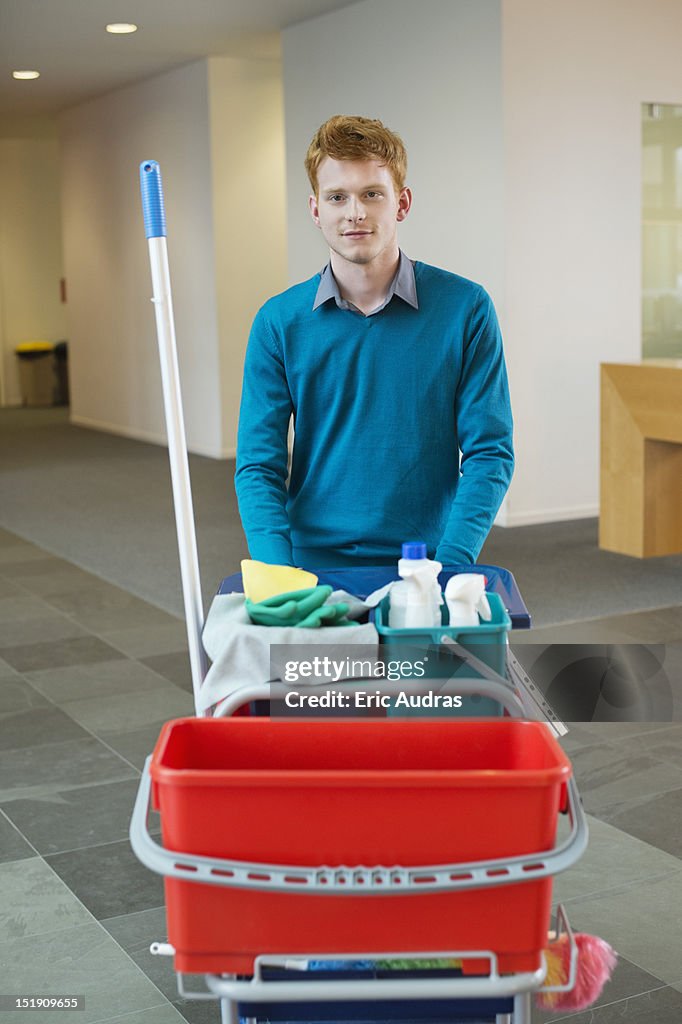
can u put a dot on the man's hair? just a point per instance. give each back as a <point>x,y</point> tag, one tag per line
<point>344,137</point>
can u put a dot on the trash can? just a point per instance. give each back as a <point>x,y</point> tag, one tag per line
<point>61,368</point>
<point>36,372</point>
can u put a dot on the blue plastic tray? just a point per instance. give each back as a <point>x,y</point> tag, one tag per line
<point>364,580</point>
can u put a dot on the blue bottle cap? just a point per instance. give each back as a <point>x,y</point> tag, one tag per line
<point>414,549</point>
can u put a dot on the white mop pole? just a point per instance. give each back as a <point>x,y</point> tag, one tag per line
<point>155,230</point>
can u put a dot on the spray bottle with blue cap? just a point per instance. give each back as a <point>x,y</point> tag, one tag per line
<point>416,600</point>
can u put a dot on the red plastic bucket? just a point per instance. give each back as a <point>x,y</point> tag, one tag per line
<point>394,792</point>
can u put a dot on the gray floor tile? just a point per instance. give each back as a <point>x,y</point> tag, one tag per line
<point>59,579</point>
<point>615,732</point>
<point>103,679</point>
<point>135,933</point>
<point>656,820</point>
<point>98,596</point>
<point>37,726</point>
<point>658,626</point>
<point>16,696</point>
<point>144,641</point>
<point>164,1014</point>
<point>6,670</point>
<point>581,734</point>
<point>199,1012</point>
<point>10,589</point>
<point>102,606</point>
<point>174,667</point>
<point>52,627</point>
<point>109,879</point>
<point>23,607</point>
<point>677,688</point>
<point>58,653</point>
<point>632,736</point>
<point>34,771</point>
<point>36,901</point>
<point>608,774</point>
<point>664,745</point>
<point>76,818</point>
<point>8,539</point>
<point>591,631</point>
<point>673,668</point>
<point>81,960</point>
<point>135,744</point>
<point>612,859</point>
<point>627,981</point>
<point>661,1006</point>
<point>107,715</point>
<point>12,845</point>
<point>17,552</point>
<point>33,566</point>
<point>642,921</point>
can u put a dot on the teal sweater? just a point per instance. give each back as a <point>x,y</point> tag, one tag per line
<point>382,407</point>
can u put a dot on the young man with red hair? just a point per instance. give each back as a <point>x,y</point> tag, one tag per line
<point>394,374</point>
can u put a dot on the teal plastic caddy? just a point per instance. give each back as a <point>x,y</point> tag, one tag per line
<point>487,641</point>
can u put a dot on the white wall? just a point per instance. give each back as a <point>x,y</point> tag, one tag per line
<point>575,76</point>
<point>216,128</point>
<point>249,199</point>
<point>432,73</point>
<point>30,248</point>
<point>115,376</point>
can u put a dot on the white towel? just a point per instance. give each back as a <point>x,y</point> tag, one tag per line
<point>240,650</point>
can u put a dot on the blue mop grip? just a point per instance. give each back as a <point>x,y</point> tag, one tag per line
<point>152,199</point>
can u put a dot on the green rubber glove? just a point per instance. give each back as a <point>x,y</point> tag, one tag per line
<point>327,615</point>
<point>303,608</point>
<point>287,609</point>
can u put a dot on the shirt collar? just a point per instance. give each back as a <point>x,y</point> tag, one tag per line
<point>403,285</point>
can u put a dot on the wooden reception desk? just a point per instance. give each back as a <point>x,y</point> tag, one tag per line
<point>641,458</point>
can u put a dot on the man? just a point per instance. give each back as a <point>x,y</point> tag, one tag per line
<point>389,367</point>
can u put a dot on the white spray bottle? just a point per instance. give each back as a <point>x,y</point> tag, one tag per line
<point>415,601</point>
<point>466,600</point>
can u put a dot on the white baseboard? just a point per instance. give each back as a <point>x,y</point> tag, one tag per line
<point>150,437</point>
<point>551,515</point>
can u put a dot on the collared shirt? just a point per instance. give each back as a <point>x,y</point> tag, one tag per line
<point>403,285</point>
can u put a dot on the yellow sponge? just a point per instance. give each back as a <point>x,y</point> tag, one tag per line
<point>262,580</point>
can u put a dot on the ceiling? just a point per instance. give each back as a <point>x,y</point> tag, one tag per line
<point>66,41</point>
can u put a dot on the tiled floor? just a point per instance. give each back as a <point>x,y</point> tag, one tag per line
<point>88,673</point>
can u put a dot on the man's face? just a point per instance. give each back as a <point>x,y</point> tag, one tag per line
<point>358,209</point>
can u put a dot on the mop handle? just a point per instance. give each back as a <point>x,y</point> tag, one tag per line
<point>155,230</point>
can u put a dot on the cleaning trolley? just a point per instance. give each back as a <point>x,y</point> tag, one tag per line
<point>331,869</point>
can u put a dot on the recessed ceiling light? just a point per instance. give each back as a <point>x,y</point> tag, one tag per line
<point>25,74</point>
<point>121,28</point>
